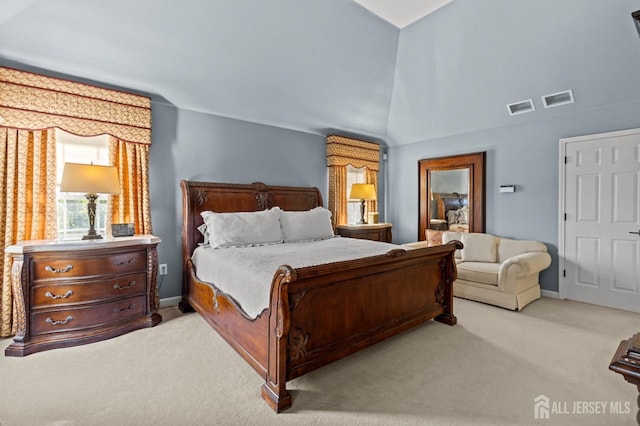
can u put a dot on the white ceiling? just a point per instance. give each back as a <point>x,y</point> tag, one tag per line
<point>402,12</point>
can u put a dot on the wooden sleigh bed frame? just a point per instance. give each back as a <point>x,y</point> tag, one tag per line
<point>317,314</point>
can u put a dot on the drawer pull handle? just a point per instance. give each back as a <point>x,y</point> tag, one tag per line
<point>60,322</point>
<point>124,262</point>
<point>58,271</point>
<point>59,296</point>
<point>128,308</point>
<point>123,287</point>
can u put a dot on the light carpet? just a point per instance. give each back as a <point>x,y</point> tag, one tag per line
<point>487,370</point>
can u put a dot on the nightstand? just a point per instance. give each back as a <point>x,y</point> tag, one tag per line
<point>70,293</point>
<point>371,231</point>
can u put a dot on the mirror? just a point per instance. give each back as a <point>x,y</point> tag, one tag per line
<point>452,193</point>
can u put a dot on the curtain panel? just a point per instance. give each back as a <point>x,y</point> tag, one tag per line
<point>341,152</point>
<point>31,106</point>
<point>27,201</point>
<point>338,195</point>
<point>35,102</point>
<point>133,204</point>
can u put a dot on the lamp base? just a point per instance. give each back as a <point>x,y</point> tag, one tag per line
<point>362,221</point>
<point>92,237</point>
<point>91,209</point>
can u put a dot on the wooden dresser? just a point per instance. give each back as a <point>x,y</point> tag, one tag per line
<point>70,293</point>
<point>372,231</point>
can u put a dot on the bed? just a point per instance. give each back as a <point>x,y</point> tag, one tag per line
<point>314,314</point>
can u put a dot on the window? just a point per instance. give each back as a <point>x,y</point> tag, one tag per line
<point>73,220</point>
<point>353,206</point>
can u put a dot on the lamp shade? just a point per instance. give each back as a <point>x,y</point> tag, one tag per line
<point>362,191</point>
<point>89,179</point>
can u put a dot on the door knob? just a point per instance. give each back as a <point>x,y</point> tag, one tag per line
<point>635,232</point>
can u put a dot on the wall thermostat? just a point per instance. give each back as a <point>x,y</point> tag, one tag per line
<point>122,230</point>
<point>507,188</point>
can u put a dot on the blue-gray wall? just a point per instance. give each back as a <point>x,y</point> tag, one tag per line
<point>442,91</point>
<point>526,155</point>
<point>458,68</point>
<point>204,147</point>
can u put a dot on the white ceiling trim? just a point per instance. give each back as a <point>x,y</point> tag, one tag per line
<point>402,12</point>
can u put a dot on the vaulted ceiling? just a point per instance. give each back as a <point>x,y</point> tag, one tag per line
<point>305,65</point>
<point>321,66</point>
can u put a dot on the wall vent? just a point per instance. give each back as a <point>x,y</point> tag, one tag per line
<point>557,99</point>
<point>521,107</point>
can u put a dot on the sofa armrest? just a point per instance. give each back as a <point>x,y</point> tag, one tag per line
<point>521,266</point>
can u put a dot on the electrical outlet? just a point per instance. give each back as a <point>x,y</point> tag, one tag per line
<point>163,269</point>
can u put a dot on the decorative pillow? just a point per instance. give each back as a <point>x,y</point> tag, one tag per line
<point>463,215</point>
<point>434,238</point>
<point>243,228</point>
<point>314,224</point>
<point>452,216</point>
<point>479,248</point>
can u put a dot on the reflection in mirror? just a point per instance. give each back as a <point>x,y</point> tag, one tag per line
<point>451,191</point>
<point>449,197</point>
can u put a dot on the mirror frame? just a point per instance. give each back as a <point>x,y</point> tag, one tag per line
<point>475,162</point>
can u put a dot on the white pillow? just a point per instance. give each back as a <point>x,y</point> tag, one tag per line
<point>314,224</point>
<point>479,248</point>
<point>243,228</point>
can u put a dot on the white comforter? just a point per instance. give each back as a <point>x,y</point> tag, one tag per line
<point>245,273</point>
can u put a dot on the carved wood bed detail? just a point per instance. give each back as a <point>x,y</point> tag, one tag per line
<point>401,289</point>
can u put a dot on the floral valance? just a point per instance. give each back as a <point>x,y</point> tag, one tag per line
<point>32,101</point>
<point>342,151</point>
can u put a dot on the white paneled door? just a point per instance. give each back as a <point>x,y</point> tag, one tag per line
<point>600,224</point>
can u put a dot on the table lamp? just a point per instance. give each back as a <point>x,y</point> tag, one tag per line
<point>90,179</point>
<point>362,192</point>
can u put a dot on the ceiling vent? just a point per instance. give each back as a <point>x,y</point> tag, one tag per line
<point>557,99</point>
<point>521,107</point>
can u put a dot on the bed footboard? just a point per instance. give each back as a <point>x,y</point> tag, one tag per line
<point>321,314</point>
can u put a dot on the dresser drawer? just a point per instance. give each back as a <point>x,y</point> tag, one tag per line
<point>43,322</point>
<point>374,232</point>
<point>88,291</point>
<point>56,268</point>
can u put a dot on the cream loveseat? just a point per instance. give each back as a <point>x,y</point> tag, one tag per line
<point>495,270</point>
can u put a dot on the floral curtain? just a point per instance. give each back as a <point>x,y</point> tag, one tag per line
<point>341,152</point>
<point>371,176</point>
<point>27,200</point>
<point>133,204</point>
<point>338,194</point>
<point>32,102</point>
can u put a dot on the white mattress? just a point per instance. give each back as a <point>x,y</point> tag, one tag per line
<point>245,273</point>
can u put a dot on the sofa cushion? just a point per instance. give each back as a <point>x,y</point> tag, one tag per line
<point>450,236</point>
<point>479,272</point>
<point>479,248</point>
<point>508,248</point>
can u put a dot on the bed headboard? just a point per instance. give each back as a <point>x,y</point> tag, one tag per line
<point>230,197</point>
<point>450,201</point>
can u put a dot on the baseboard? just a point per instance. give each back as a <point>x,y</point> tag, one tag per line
<point>170,301</point>
<point>547,293</point>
